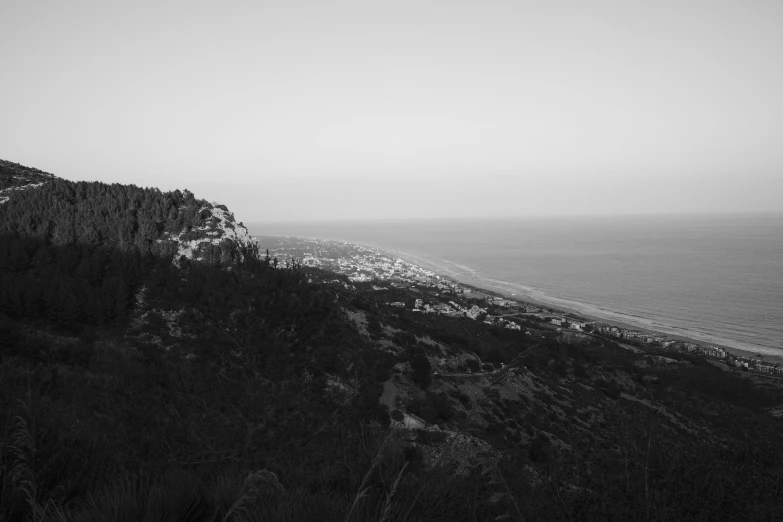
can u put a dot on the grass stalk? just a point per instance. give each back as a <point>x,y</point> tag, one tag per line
<point>388,504</point>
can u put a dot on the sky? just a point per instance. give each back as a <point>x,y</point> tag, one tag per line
<point>302,111</point>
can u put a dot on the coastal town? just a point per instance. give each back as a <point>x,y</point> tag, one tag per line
<point>441,295</point>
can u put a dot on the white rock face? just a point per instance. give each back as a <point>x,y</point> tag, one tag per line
<point>220,228</point>
<point>230,228</point>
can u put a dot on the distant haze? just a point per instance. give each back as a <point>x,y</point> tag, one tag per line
<point>292,111</point>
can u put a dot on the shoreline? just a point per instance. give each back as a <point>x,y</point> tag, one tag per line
<point>500,290</point>
<point>529,295</point>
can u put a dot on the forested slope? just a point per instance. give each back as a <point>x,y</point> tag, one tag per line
<point>125,217</point>
<point>78,251</point>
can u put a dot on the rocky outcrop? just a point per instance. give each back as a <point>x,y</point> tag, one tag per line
<point>219,240</point>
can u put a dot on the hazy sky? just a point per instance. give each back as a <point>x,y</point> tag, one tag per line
<point>352,110</point>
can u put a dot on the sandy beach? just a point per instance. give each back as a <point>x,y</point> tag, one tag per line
<point>582,310</point>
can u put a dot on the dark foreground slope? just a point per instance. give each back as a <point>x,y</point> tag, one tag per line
<point>134,388</point>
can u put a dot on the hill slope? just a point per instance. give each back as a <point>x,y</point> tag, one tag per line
<point>134,372</point>
<point>15,178</point>
<point>61,212</point>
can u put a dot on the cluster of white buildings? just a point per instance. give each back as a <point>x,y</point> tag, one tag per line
<point>632,335</point>
<point>573,324</point>
<point>767,367</point>
<point>749,363</point>
<point>716,352</point>
<point>364,265</point>
<point>453,309</point>
<point>710,351</point>
<point>369,265</point>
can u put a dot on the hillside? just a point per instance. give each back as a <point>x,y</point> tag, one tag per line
<point>41,206</point>
<point>154,365</point>
<point>15,178</point>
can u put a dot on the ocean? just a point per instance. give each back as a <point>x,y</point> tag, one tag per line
<point>715,278</point>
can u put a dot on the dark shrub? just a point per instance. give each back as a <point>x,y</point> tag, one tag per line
<point>461,397</point>
<point>413,455</point>
<point>405,339</point>
<point>422,370</point>
<point>430,437</point>
<point>374,326</point>
<point>540,449</point>
<point>414,406</point>
<point>441,406</point>
<point>609,388</point>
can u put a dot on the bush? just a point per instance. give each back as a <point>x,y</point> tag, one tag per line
<point>405,339</point>
<point>413,455</point>
<point>414,406</point>
<point>430,437</point>
<point>493,393</point>
<point>540,449</point>
<point>461,397</point>
<point>374,326</point>
<point>609,388</point>
<point>422,370</point>
<point>494,355</point>
<point>441,407</point>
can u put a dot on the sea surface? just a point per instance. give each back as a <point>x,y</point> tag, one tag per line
<point>715,278</point>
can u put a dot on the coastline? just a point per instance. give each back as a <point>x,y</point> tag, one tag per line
<point>504,289</point>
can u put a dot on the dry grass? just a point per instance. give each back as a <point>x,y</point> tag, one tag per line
<point>17,472</point>
<point>388,504</point>
<point>364,487</point>
<point>256,485</point>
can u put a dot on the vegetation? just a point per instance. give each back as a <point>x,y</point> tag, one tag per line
<point>133,389</point>
<point>422,370</point>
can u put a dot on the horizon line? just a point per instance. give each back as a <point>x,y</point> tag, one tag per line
<point>517,217</point>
